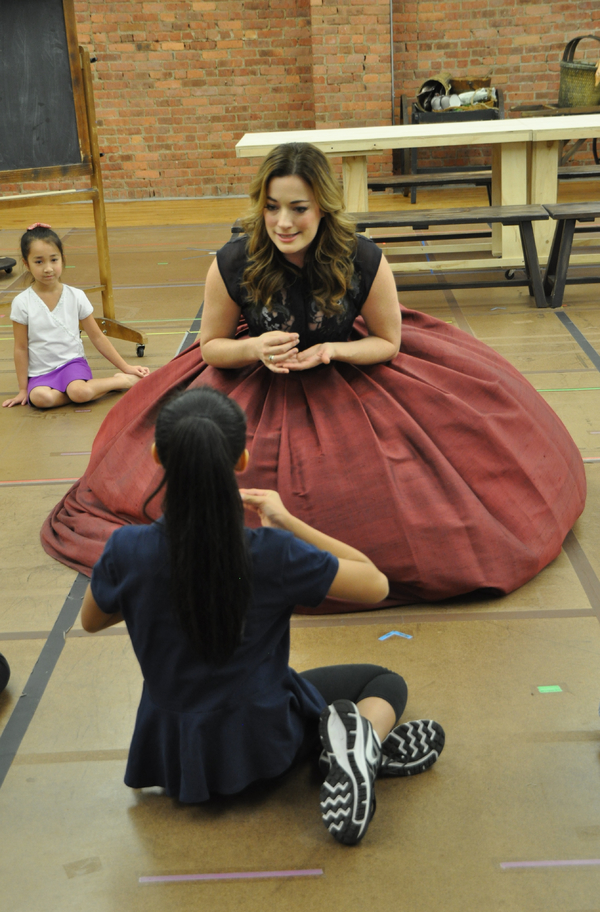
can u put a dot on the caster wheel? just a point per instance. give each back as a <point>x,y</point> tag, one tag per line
<point>509,274</point>
<point>8,270</point>
<point>140,351</point>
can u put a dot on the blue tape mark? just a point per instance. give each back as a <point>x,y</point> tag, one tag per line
<point>395,633</point>
<point>579,338</point>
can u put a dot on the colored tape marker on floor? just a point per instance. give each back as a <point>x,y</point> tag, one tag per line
<point>240,875</point>
<point>563,863</point>
<point>395,633</point>
<point>550,689</point>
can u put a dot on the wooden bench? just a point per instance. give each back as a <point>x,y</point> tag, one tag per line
<point>521,216</point>
<point>438,178</point>
<point>555,274</point>
<point>481,178</point>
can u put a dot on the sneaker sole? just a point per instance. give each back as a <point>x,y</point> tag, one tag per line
<point>412,748</point>
<point>347,798</point>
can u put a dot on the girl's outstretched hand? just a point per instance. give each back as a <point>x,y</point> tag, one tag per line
<point>137,371</point>
<point>268,505</point>
<point>19,399</point>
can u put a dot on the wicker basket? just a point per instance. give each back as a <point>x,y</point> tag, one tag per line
<point>577,80</point>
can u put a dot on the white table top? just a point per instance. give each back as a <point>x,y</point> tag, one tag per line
<point>365,140</point>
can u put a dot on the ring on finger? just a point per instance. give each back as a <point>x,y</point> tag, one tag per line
<point>271,358</point>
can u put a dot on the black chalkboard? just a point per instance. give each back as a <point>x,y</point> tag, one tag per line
<point>38,121</point>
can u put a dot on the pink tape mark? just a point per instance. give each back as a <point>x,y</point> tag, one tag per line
<point>550,864</point>
<point>240,875</point>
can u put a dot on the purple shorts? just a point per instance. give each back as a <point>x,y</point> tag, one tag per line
<point>59,379</point>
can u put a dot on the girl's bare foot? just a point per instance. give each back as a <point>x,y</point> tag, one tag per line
<point>128,379</point>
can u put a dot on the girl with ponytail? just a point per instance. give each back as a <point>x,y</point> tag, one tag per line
<point>207,604</point>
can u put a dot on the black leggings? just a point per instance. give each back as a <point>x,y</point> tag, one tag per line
<point>355,682</point>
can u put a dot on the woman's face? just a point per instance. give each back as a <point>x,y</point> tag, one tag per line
<point>291,216</point>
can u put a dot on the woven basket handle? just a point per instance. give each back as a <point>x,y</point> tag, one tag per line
<point>569,51</point>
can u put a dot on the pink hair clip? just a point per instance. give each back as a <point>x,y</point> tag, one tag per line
<point>38,225</point>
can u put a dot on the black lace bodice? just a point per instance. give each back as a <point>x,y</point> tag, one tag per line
<point>295,309</point>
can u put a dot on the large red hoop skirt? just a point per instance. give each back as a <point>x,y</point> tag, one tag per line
<point>445,466</point>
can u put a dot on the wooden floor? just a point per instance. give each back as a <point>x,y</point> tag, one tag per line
<point>507,821</point>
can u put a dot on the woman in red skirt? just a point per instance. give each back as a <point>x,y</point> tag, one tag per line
<point>417,444</point>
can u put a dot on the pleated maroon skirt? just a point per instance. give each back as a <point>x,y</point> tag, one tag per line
<point>444,466</point>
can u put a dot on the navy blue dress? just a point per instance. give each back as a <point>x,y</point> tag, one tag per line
<point>203,729</point>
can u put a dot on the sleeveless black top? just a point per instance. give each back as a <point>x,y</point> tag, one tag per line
<point>294,309</point>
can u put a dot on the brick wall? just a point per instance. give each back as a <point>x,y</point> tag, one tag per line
<point>178,82</point>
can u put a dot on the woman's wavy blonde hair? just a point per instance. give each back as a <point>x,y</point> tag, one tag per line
<point>329,261</point>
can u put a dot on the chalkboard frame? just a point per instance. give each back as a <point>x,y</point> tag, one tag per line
<point>78,169</point>
<point>87,135</point>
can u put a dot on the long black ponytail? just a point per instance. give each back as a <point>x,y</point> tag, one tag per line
<point>200,436</point>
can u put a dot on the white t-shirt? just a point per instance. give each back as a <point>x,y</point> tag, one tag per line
<point>52,335</point>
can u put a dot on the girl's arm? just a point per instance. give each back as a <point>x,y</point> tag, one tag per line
<point>93,618</point>
<point>382,315</point>
<point>220,318</point>
<point>107,349</point>
<point>21,365</point>
<point>357,579</point>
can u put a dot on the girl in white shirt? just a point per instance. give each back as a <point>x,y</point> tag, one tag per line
<point>49,357</point>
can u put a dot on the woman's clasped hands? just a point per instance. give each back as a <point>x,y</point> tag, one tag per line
<point>275,349</point>
<point>279,352</point>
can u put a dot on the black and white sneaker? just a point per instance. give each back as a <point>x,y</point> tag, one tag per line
<point>411,748</point>
<point>351,754</point>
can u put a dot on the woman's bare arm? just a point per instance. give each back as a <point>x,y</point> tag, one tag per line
<point>220,318</point>
<point>382,316</point>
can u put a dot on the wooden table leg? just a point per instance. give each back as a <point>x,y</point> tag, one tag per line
<point>354,172</point>
<point>555,276</point>
<point>543,188</point>
<point>496,198</point>
<point>513,191</point>
<point>532,264</point>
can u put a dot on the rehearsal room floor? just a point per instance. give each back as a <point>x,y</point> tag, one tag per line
<point>515,681</point>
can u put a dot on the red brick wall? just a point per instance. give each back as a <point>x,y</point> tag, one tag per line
<point>351,66</point>
<point>518,42</point>
<point>178,82</point>
<point>351,62</point>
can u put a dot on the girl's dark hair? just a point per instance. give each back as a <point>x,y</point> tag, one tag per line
<point>200,435</point>
<point>40,233</point>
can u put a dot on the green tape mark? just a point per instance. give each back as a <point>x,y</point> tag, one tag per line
<point>162,264</point>
<point>69,267</point>
<point>550,689</point>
